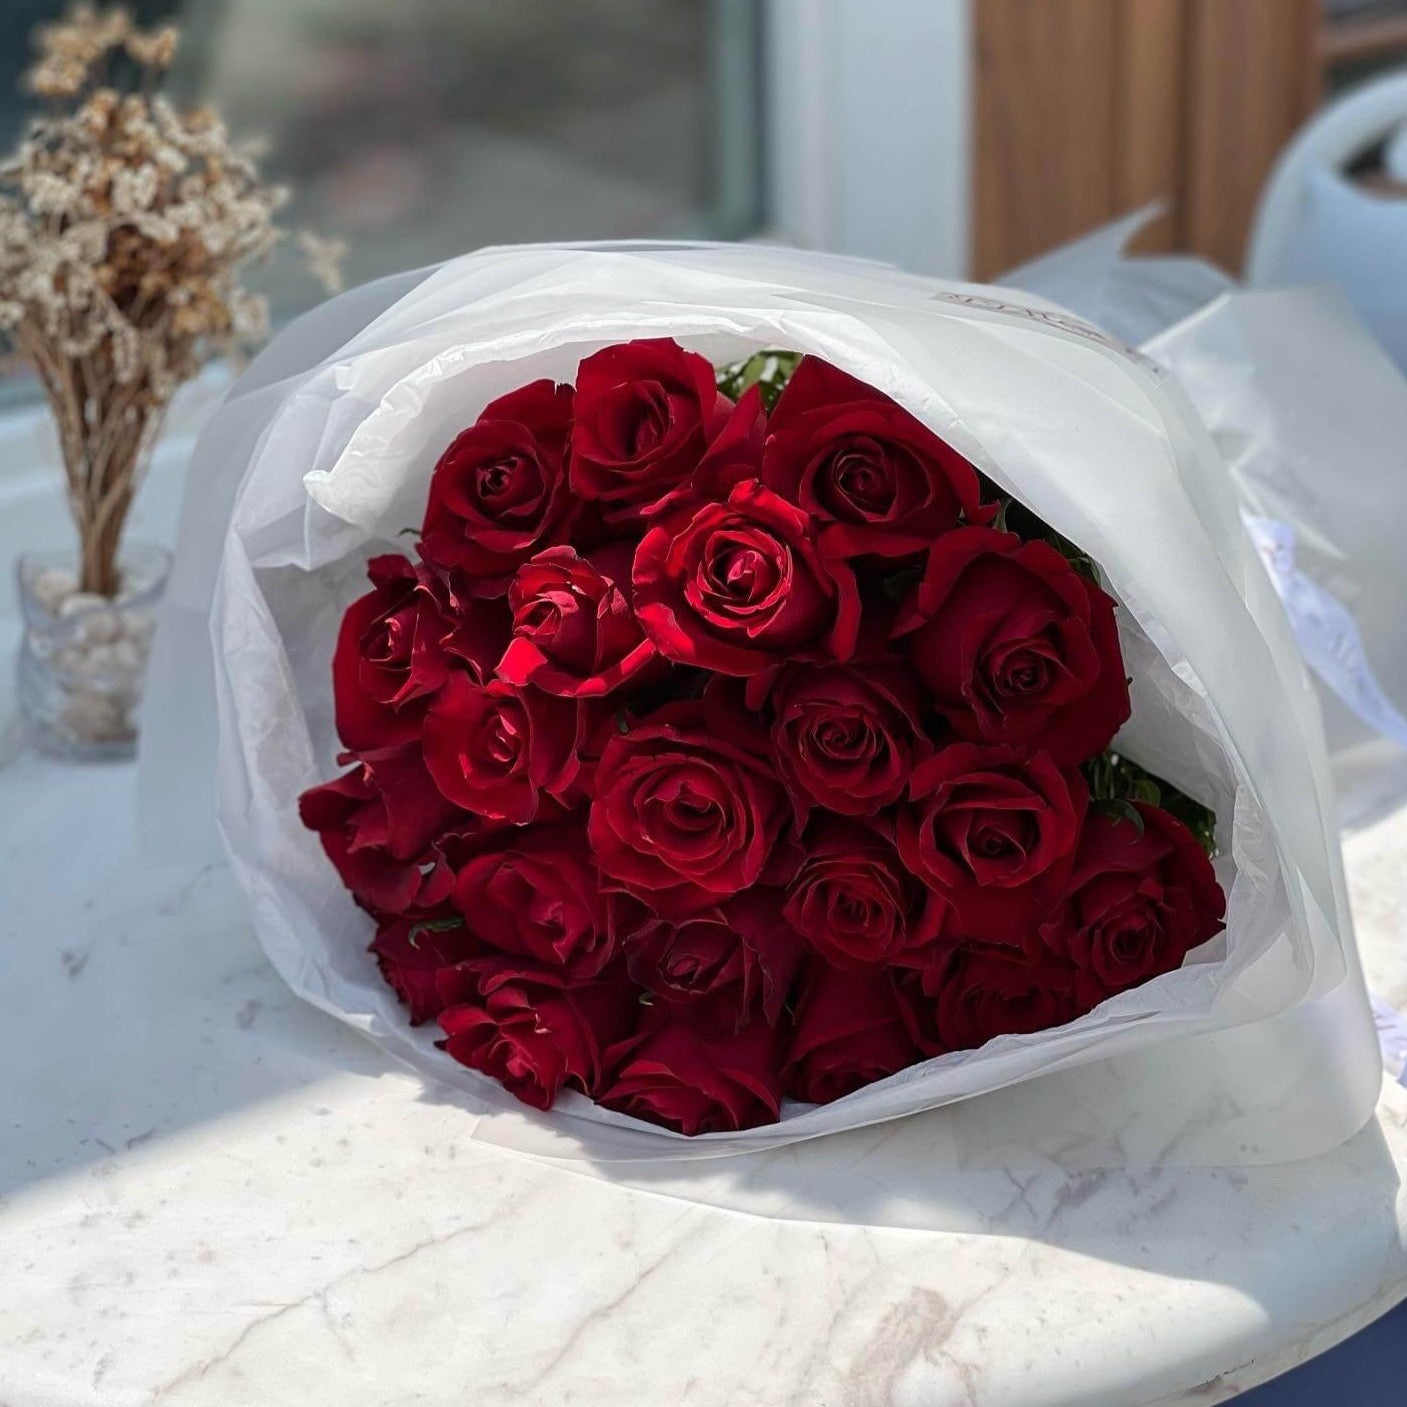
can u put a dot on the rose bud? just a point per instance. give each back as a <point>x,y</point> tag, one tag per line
<point>849,1031</point>
<point>1137,902</point>
<point>413,949</point>
<point>847,736</point>
<point>394,651</point>
<point>994,833</point>
<point>726,965</point>
<point>853,459</point>
<point>645,413</point>
<point>854,900</point>
<point>533,892</point>
<point>574,633</point>
<point>696,1081</point>
<point>740,586</point>
<point>986,991</point>
<point>499,493</point>
<point>686,811</point>
<point>493,748</point>
<point>1015,646</point>
<point>378,824</point>
<point>533,1029</point>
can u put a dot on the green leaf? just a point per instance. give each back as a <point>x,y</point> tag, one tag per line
<point>1146,789</point>
<point>768,370</point>
<point>898,586</point>
<point>409,532</point>
<point>1077,557</point>
<point>432,925</point>
<point>1118,809</point>
<point>1117,782</point>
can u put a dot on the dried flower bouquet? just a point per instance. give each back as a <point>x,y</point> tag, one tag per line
<point>127,226</point>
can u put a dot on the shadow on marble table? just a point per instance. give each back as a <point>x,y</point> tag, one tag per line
<point>135,1002</point>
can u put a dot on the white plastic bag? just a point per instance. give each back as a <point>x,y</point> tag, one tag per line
<point>331,438</point>
<point>1134,297</point>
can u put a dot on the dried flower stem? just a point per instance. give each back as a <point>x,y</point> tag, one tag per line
<point>105,429</point>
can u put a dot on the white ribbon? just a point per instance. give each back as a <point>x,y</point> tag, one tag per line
<point>1332,646</point>
<point>1326,633</point>
<point>1392,1036</point>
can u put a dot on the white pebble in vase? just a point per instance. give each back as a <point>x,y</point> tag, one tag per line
<point>83,657</point>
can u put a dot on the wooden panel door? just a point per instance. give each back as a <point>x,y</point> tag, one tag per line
<point>1076,119</point>
<point>1045,108</point>
<point>1253,78</point>
<point>1086,109</point>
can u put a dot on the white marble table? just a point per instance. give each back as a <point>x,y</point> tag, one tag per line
<point>211,1194</point>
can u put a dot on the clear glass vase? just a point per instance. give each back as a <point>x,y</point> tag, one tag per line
<point>83,658</point>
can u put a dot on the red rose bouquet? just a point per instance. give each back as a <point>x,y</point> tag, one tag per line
<point>735,740</point>
<point>731,739</point>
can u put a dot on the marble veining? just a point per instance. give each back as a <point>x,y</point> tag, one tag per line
<point>210,1194</point>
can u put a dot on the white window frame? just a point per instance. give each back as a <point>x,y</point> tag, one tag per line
<point>868,116</point>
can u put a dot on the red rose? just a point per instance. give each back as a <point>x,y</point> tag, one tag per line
<point>728,964</point>
<point>741,585</point>
<point>1015,646</point>
<point>849,1031</point>
<point>493,748</point>
<point>533,892</point>
<point>734,455</point>
<point>854,900</point>
<point>394,650</point>
<point>847,737</point>
<point>697,1081</point>
<point>574,633</point>
<point>1136,903</point>
<point>532,1029</point>
<point>993,833</point>
<point>378,824</point>
<point>686,811</point>
<point>645,413</point>
<point>413,949</point>
<point>499,492</point>
<point>852,458</point>
<point>984,992</point>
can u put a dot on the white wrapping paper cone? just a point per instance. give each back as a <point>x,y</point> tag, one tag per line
<point>323,453</point>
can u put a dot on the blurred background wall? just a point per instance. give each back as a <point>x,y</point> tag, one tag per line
<point>952,136</point>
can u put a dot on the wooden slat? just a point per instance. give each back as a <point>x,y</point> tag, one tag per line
<point>1046,160</point>
<point>1252,80</point>
<point>1085,109</point>
<point>1148,132</point>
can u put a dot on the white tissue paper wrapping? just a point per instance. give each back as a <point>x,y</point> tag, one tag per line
<point>322,453</point>
<point>1309,414</point>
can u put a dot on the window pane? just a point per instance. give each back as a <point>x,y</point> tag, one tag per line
<point>418,129</point>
